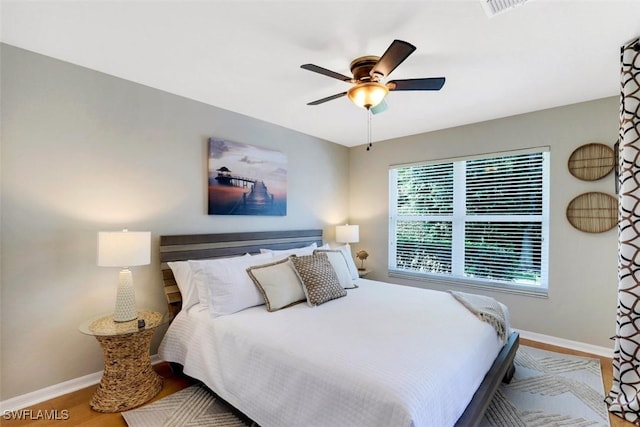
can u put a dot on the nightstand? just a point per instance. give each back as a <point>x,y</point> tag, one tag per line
<point>128,379</point>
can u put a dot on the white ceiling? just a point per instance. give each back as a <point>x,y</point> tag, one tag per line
<point>245,56</point>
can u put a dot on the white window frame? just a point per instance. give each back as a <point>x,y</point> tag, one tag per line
<point>458,220</point>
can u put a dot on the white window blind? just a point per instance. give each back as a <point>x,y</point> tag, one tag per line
<point>481,220</point>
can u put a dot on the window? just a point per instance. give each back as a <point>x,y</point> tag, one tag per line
<point>479,221</point>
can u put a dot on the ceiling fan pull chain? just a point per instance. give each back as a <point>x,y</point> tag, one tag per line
<point>369,129</point>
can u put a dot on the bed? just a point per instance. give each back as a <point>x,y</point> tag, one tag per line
<point>383,355</point>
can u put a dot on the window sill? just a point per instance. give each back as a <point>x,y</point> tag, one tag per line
<point>474,284</point>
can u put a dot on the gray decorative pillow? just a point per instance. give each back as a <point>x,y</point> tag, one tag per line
<point>318,277</point>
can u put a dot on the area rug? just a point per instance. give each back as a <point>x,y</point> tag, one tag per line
<point>548,389</point>
<point>192,406</point>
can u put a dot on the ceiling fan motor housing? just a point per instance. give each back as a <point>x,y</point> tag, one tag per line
<point>361,67</point>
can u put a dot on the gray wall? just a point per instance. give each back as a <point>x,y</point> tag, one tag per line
<point>84,152</point>
<point>581,304</point>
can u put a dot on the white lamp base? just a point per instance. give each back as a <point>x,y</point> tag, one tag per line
<point>126,298</point>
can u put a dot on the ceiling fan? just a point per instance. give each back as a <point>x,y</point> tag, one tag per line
<point>368,90</point>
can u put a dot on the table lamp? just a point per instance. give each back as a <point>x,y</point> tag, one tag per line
<point>124,249</point>
<point>347,234</point>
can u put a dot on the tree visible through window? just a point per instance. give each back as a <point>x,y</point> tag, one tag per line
<point>480,220</point>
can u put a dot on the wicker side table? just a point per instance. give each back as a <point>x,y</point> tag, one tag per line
<point>128,379</point>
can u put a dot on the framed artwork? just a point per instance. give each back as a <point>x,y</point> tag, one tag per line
<point>246,179</point>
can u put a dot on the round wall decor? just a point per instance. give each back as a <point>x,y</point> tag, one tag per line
<point>592,161</point>
<point>593,212</point>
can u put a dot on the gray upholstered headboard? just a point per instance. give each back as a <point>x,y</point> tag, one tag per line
<point>202,246</point>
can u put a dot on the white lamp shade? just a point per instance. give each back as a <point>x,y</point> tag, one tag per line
<point>124,248</point>
<point>347,233</point>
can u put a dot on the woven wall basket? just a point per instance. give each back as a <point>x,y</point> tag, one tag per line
<point>591,162</point>
<point>593,212</point>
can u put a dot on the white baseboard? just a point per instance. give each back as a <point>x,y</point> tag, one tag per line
<point>573,345</point>
<point>56,390</point>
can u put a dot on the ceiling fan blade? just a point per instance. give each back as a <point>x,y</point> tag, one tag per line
<point>325,72</point>
<point>395,54</point>
<point>382,106</point>
<point>328,98</point>
<point>432,83</point>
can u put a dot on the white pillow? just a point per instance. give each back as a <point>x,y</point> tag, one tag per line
<point>198,279</point>
<point>341,267</point>
<point>281,254</point>
<point>346,251</point>
<point>278,283</point>
<point>184,279</point>
<point>226,284</point>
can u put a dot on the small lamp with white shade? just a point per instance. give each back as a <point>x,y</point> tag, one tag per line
<point>124,249</point>
<point>347,234</point>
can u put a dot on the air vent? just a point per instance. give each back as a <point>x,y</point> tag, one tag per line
<point>494,7</point>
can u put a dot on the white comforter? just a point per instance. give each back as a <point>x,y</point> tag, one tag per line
<point>384,355</point>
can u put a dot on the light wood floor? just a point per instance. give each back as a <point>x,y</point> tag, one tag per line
<point>80,414</point>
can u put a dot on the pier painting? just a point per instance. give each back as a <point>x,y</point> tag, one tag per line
<point>246,179</point>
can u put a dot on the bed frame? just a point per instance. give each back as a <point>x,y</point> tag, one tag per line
<point>203,246</point>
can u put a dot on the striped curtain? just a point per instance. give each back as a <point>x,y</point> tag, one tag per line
<point>624,397</point>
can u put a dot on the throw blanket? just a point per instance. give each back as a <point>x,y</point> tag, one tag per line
<point>488,310</point>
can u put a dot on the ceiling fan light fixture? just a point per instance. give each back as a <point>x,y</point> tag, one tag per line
<point>367,94</point>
